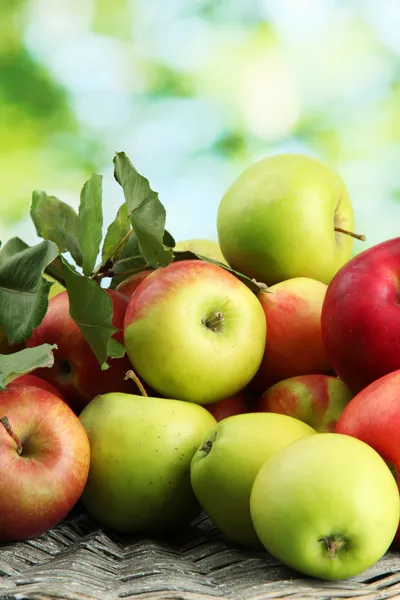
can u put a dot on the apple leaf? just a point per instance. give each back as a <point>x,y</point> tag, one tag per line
<point>116,236</point>
<point>145,212</point>
<point>92,310</point>
<point>55,269</point>
<point>13,246</point>
<point>24,361</point>
<point>254,285</point>
<point>23,290</point>
<point>91,218</point>
<point>57,221</point>
<point>168,240</point>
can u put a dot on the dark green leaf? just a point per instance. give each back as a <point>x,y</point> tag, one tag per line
<point>57,221</point>
<point>145,212</point>
<point>13,246</point>
<point>23,290</point>
<point>92,310</point>
<point>168,240</point>
<point>55,269</point>
<point>116,236</point>
<point>254,285</point>
<point>91,218</point>
<point>24,361</point>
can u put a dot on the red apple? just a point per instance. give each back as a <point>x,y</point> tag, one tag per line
<point>35,381</point>
<point>129,285</point>
<point>294,342</point>
<point>373,416</point>
<point>361,316</point>
<point>317,400</point>
<point>44,461</point>
<point>76,371</point>
<point>235,405</point>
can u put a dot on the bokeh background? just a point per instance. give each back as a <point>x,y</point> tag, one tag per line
<point>195,91</point>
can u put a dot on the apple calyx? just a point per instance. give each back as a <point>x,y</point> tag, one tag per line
<point>7,426</point>
<point>206,447</point>
<point>357,236</point>
<point>214,321</point>
<point>132,375</point>
<point>333,543</point>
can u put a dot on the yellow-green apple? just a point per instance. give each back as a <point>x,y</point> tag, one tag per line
<point>224,467</point>
<point>286,216</point>
<point>318,400</point>
<point>327,506</point>
<point>35,381</point>
<point>360,316</point>
<point>129,285</point>
<point>207,248</point>
<point>56,288</point>
<point>76,372</point>
<point>44,461</point>
<point>294,343</point>
<point>373,416</point>
<point>195,332</point>
<point>141,448</point>
<point>235,405</point>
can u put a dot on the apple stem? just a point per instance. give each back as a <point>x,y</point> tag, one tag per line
<point>132,375</point>
<point>333,544</point>
<point>7,426</point>
<point>357,236</point>
<point>213,321</point>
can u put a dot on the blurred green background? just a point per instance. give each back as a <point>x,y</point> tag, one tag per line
<point>194,92</point>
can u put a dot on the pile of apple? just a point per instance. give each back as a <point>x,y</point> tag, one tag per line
<point>274,405</point>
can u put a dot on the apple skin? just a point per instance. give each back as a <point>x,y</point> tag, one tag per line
<point>194,332</point>
<point>224,467</point>
<point>276,221</point>
<point>40,486</point>
<point>76,372</point>
<point>317,400</point>
<point>373,416</point>
<point>129,285</point>
<point>235,405</point>
<point>35,381</point>
<point>294,343</point>
<point>322,489</point>
<point>141,448</point>
<point>361,316</point>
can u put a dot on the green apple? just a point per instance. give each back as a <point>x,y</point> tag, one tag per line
<point>286,216</point>
<point>224,467</point>
<point>327,506</point>
<point>141,448</point>
<point>207,248</point>
<point>195,332</point>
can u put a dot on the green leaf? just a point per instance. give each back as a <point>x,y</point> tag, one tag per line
<point>254,285</point>
<point>55,269</point>
<point>23,290</point>
<point>13,246</point>
<point>57,221</point>
<point>91,218</point>
<point>116,236</point>
<point>92,310</point>
<point>115,349</point>
<point>145,212</point>
<point>168,240</point>
<point>24,361</point>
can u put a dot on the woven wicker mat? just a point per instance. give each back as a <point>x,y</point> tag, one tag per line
<point>79,561</point>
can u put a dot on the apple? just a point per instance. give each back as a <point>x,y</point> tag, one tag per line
<point>286,216</point>
<point>318,400</point>
<point>206,248</point>
<point>360,318</point>
<point>195,332</point>
<point>327,506</point>
<point>44,461</point>
<point>35,381</point>
<point>373,416</point>
<point>224,467</point>
<point>294,343</point>
<point>76,372</point>
<point>129,285</point>
<point>141,448</point>
<point>235,405</point>
<point>56,288</point>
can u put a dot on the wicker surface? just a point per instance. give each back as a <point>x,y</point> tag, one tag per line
<point>79,561</point>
